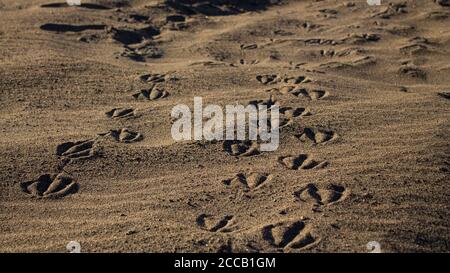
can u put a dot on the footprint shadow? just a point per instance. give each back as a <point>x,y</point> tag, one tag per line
<point>217,7</point>
<point>70,28</point>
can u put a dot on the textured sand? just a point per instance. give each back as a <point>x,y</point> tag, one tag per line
<point>365,156</point>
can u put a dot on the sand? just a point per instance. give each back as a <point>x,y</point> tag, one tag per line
<point>85,117</point>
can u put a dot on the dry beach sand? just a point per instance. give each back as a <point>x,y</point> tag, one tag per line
<point>86,95</point>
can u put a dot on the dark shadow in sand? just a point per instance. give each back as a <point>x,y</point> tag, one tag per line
<point>83,5</point>
<point>139,18</point>
<point>128,37</point>
<point>218,7</point>
<point>72,28</point>
<point>445,95</point>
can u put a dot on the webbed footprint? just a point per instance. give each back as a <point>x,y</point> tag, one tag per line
<point>300,162</point>
<point>124,135</point>
<point>215,223</point>
<point>151,94</point>
<point>316,195</point>
<point>120,113</point>
<point>288,235</point>
<point>316,135</point>
<point>314,94</point>
<point>248,181</point>
<point>77,150</point>
<point>272,79</point>
<point>153,78</point>
<point>50,186</point>
<point>241,148</point>
<point>290,112</point>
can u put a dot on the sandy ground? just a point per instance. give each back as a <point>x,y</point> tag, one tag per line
<point>87,154</point>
